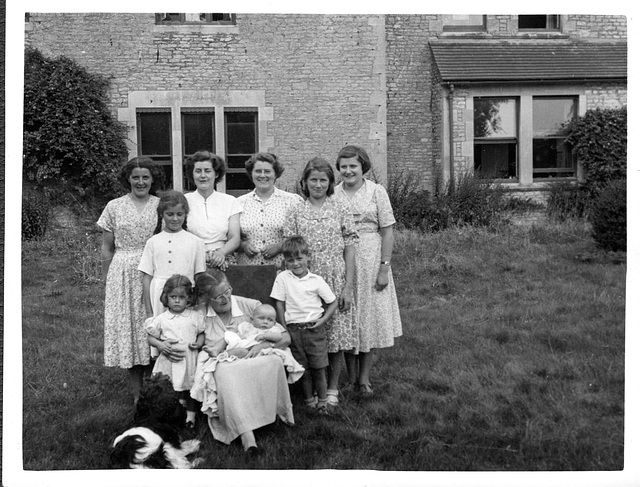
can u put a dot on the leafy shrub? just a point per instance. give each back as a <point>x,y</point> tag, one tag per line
<point>567,201</point>
<point>608,216</point>
<point>35,216</point>
<point>599,139</point>
<point>69,132</point>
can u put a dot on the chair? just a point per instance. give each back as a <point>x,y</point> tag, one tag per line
<point>252,281</point>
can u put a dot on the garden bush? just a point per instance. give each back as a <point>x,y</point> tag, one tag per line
<point>567,201</point>
<point>608,217</point>
<point>69,133</point>
<point>599,140</point>
<point>35,216</point>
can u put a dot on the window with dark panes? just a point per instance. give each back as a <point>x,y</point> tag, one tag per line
<point>198,133</point>
<point>495,138</point>
<point>154,138</point>
<point>552,157</point>
<point>539,22</point>
<point>463,23</point>
<point>241,132</point>
<point>195,18</point>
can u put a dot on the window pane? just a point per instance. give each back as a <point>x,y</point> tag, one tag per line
<point>463,20</point>
<point>538,21</point>
<point>550,115</point>
<point>552,158</point>
<point>198,132</point>
<point>241,133</point>
<point>238,181</point>
<point>155,133</point>
<point>495,161</point>
<point>494,117</point>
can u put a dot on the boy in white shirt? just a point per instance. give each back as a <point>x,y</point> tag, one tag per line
<point>299,296</point>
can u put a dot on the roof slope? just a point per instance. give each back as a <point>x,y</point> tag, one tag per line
<point>509,61</point>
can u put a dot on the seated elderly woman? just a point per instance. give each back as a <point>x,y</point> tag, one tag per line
<point>252,393</point>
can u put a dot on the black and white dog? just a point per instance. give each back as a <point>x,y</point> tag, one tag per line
<point>154,442</point>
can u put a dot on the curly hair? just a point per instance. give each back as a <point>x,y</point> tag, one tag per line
<point>143,162</point>
<point>349,151</point>
<point>174,282</point>
<point>321,165</point>
<point>206,283</point>
<point>267,157</point>
<point>217,163</point>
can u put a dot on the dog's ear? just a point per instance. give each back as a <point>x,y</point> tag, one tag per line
<point>124,452</point>
<point>157,460</point>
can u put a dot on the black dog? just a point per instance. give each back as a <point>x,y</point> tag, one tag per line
<point>154,442</point>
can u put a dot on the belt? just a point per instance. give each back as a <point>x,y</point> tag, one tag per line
<point>301,326</point>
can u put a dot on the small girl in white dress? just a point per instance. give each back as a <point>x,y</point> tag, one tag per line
<point>182,328</point>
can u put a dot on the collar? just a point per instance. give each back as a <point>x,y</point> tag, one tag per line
<point>184,314</point>
<point>309,275</point>
<point>277,193</point>
<point>197,195</point>
<point>235,309</point>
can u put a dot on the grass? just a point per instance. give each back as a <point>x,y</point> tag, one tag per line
<point>512,359</point>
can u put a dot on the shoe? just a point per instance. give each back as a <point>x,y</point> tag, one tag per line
<point>311,402</point>
<point>323,410</point>
<point>332,397</point>
<point>365,389</point>
<point>254,451</point>
<point>190,425</point>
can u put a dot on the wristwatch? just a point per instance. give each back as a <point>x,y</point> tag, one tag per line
<point>385,262</point>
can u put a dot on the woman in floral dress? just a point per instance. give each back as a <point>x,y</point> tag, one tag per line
<point>328,228</point>
<point>378,315</point>
<point>127,222</point>
<point>264,212</point>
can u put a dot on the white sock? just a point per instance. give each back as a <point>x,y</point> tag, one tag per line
<point>191,416</point>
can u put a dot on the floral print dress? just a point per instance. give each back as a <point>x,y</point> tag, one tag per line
<point>125,338</point>
<point>378,315</point>
<point>328,230</point>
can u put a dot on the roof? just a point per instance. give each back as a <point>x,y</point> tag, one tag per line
<point>481,61</point>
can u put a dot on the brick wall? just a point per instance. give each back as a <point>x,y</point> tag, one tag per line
<point>322,75</point>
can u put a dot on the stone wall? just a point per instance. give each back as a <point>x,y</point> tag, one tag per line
<point>322,76</point>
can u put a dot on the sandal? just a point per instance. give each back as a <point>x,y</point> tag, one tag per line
<point>365,389</point>
<point>332,397</point>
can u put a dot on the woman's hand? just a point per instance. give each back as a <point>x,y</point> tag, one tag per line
<point>249,249</point>
<point>346,298</point>
<point>238,352</point>
<point>194,346</point>
<point>216,258</point>
<point>382,281</point>
<point>174,355</point>
<point>271,251</point>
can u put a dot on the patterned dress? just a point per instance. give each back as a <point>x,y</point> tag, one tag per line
<point>378,315</point>
<point>262,223</point>
<point>328,230</point>
<point>125,339</point>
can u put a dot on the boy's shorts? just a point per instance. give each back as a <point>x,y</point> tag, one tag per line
<point>309,346</point>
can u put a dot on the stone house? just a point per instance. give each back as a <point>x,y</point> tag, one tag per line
<point>428,96</point>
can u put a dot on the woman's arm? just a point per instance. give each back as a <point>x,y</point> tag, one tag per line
<point>146,294</point>
<point>382,280</point>
<point>346,297</point>
<point>233,235</point>
<point>107,250</point>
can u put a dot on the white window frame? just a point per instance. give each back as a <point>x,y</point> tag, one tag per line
<point>217,100</point>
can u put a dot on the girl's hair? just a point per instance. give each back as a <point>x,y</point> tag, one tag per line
<point>217,163</point>
<point>174,282</point>
<point>321,165</point>
<point>206,283</point>
<point>157,174</point>
<point>350,151</point>
<point>268,157</point>
<point>294,246</point>
<point>168,199</point>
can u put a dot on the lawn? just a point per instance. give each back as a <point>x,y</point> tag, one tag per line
<point>512,359</point>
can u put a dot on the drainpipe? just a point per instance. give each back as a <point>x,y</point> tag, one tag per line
<point>452,179</point>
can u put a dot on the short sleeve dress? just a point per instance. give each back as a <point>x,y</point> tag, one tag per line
<point>378,315</point>
<point>262,223</point>
<point>125,339</point>
<point>328,230</point>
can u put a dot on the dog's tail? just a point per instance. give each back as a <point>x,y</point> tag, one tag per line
<point>177,457</point>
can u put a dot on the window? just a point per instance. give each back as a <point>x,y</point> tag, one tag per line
<point>463,23</point>
<point>539,22</point>
<point>198,133</point>
<point>552,156</point>
<point>495,138</point>
<point>154,137</point>
<point>195,18</point>
<point>241,133</point>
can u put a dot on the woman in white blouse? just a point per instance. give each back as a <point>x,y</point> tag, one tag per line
<point>213,216</point>
<point>264,212</point>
